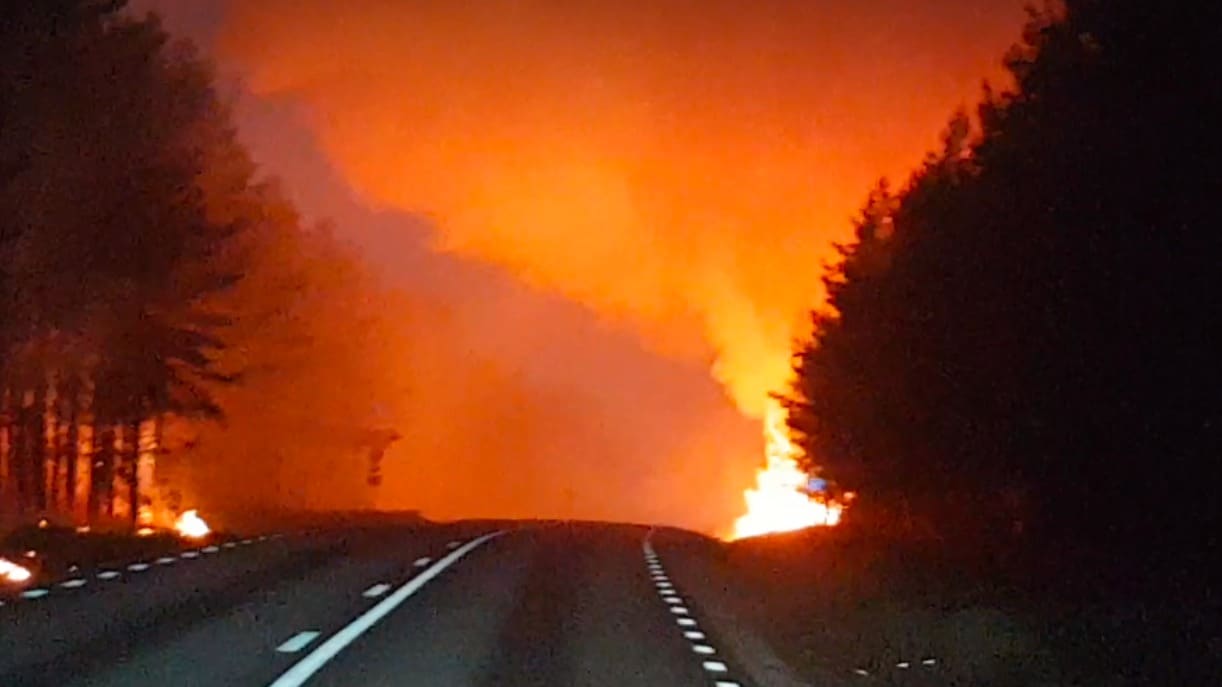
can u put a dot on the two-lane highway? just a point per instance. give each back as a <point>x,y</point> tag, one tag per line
<point>467,604</point>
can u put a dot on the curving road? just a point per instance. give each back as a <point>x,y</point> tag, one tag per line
<point>465,604</point>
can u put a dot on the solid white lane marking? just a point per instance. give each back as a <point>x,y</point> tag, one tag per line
<point>376,590</point>
<point>678,610</point>
<point>34,593</point>
<point>421,562</point>
<point>686,622</point>
<point>138,567</point>
<point>72,584</point>
<point>312,662</point>
<point>297,642</point>
<point>704,649</point>
<point>108,575</point>
<point>694,634</point>
<point>189,554</point>
<point>165,560</point>
<point>715,666</point>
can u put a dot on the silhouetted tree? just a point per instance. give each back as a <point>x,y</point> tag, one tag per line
<point>1030,327</point>
<point>112,247</point>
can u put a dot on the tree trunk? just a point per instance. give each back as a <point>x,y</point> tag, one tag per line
<point>92,494</point>
<point>72,445</point>
<point>57,485</point>
<point>131,446</point>
<point>6,449</point>
<point>38,444</point>
<point>20,456</point>
<point>104,469</point>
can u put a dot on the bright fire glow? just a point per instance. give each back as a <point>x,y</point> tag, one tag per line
<point>777,503</point>
<point>191,526</point>
<point>11,572</point>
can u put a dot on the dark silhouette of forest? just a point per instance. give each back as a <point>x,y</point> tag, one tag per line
<point>1024,340</point>
<point>150,277</point>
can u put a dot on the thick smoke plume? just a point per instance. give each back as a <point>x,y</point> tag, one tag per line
<point>679,166</point>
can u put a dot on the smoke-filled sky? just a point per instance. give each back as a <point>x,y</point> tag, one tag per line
<point>623,205</point>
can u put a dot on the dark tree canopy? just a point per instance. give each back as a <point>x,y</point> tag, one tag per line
<point>1030,328</point>
<point>119,179</point>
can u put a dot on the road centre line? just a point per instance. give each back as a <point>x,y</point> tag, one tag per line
<point>297,642</point>
<point>376,590</point>
<point>314,661</point>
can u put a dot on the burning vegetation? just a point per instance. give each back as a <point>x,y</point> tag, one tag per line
<point>780,502</point>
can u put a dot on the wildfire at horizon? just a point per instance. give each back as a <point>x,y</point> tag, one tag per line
<point>681,168</point>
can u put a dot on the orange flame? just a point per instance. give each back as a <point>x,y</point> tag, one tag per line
<point>777,503</point>
<point>191,526</point>
<point>11,572</point>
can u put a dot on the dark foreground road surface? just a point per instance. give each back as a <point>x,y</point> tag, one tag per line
<point>466,604</point>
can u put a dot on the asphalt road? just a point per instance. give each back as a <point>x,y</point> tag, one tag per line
<point>464,604</point>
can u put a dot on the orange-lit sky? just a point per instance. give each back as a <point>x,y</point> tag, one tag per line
<point>615,199</point>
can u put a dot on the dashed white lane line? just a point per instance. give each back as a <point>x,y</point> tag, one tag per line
<point>166,560</point>
<point>297,642</point>
<point>376,590</point>
<point>228,545</point>
<point>138,567</point>
<point>34,593</point>
<point>421,562</point>
<point>189,554</point>
<point>671,597</point>
<point>454,545</point>
<point>75,583</point>
<point>312,662</point>
<point>210,549</point>
<point>108,575</point>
